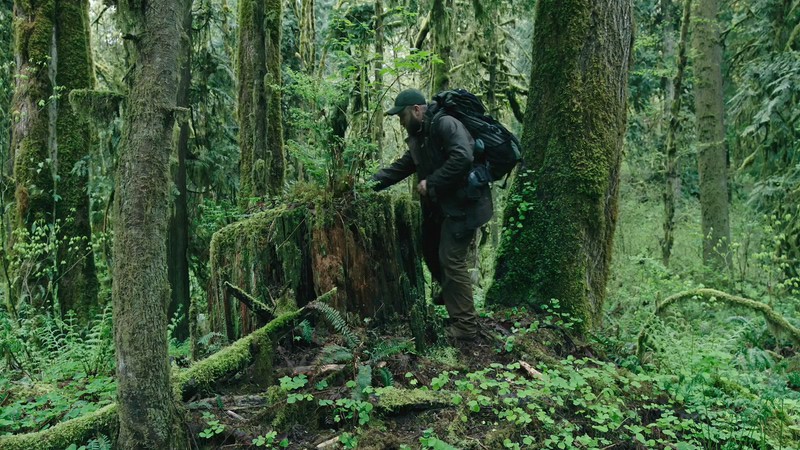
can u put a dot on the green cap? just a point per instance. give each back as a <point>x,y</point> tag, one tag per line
<point>408,97</point>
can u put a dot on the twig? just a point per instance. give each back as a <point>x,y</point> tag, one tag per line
<point>531,371</point>
<point>235,416</point>
<point>328,443</point>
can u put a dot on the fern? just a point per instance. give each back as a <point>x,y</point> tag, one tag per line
<point>363,381</point>
<point>100,443</point>
<point>338,323</point>
<point>334,354</point>
<point>386,377</point>
<point>389,348</point>
<point>306,331</point>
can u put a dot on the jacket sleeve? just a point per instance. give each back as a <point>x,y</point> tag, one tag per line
<point>398,171</point>
<point>457,147</point>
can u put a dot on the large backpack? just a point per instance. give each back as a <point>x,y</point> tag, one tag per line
<point>495,146</point>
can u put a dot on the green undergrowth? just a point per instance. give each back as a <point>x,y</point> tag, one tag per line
<point>54,371</point>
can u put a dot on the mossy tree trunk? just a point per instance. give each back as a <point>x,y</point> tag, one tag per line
<point>31,144</point>
<point>712,158</point>
<point>308,35</point>
<point>377,83</point>
<point>671,149</point>
<point>252,104</point>
<point>77,278</point>
<point>442,24</point>
<point>147,414</point>
<point>275,155</point>
<point>562,210</point>
<point>50,142</point>
<point>260,117</point>
<point>178,237</point>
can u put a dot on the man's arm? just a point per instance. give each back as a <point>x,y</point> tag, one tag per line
<point>398,171</point>
<point>457,145</point>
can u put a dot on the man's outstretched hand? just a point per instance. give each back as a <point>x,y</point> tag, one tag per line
<point>422,188</point>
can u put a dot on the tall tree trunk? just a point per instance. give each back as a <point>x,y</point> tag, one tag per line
<point>562,214</point>
<point>308,35</point>
<point>251,67</point>
<point>442,22</point>
<point>31,132</point>
<point>377,84</point>
<point>275,158</point>
<point>178,238</point>
<point>147,414</point>
<point>6,154</point>
<point>712,157</point>
<point>77,278</point>
<point>671,150</point>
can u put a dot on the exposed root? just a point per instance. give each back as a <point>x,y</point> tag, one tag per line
<point>776,323</point>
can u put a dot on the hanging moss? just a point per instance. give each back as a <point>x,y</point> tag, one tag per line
<point>562,211</point>
<point>96,106</point>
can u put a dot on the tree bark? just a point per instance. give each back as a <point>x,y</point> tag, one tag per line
<point>31,132</point>
<point>140,288</point>
<point>442,24</point>
<point>671,150</point>
<point>560,221</point>
<point>712,160</point>
<point>252,111</point>
<point>275,155</point>
<point>178,238</point>
<point>77,278</point>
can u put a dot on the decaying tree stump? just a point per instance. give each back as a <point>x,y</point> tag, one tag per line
<point>369,250</point>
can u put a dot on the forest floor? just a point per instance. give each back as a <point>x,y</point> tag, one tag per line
<point>526,385</point>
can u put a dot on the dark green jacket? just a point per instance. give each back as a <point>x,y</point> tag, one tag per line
<point>441,153</point>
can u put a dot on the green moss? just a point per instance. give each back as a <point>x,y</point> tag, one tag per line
<point>397,399</point>
<point>78,283</point>
<point>232,358</point>
<point>562,211</point>
<point>263,255</point>
<point>96,106</point>
<point>62,435</point>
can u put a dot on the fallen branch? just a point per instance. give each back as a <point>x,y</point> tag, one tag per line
<point>309,370</point>
<point>777,324</point>
<point>235,416</point>
<point>258,308</point>
<point>530,370</point>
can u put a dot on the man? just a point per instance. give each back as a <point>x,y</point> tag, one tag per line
<point>440,153</point>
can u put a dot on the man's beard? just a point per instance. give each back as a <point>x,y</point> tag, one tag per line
<point>414,126</point>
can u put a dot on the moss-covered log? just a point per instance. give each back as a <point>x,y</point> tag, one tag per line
<point>562,212</point>
<point>368,251</point>
<point>201,375</point>
<point>75,431</point>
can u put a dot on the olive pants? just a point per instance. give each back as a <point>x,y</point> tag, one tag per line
<point>445,248</point>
